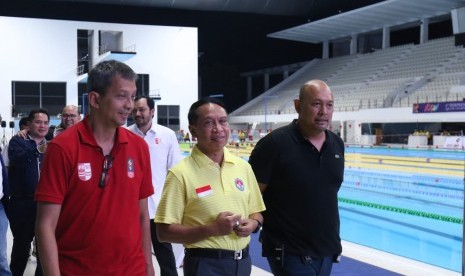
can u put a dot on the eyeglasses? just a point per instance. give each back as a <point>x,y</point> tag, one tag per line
<point>68,116</point>
<point>107,163</point>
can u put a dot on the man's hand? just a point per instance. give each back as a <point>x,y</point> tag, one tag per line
<point>225,223</point>
<point>41,148</point>
<point>245,228</point>
<point>22,133</point>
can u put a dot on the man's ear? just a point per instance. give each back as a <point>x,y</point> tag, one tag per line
<point>192,131</point>
<point>94,99</point>
<point>297,105</point>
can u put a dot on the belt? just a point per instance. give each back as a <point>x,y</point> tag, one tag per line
<point>218,253</point>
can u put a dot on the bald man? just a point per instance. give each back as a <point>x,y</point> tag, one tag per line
<point>300,168</point>
<point>69,117</point>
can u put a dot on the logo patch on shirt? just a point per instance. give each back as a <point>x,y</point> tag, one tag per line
<point>204,191</point>
<point>239,184</point>
<point>157,140</point>
<point>130,168</point>
<point>336,156</point>
<point>84,171</point>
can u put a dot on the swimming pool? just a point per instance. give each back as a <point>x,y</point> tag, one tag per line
<point>406,202</point>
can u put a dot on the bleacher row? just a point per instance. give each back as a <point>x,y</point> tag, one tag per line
<point>393,77</point>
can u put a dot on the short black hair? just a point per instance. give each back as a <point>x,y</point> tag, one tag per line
<point>101,76</point>
<point>150,101</point>
<point>23,121</point>
<point>192,115</point>
<point>32,114</point>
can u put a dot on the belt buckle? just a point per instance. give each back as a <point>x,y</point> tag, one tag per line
<point>238,255</point>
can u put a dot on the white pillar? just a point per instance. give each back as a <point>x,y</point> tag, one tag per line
<point>266,81</point>
<point>386,37</point>
<point>353,44</point>
<point>424,30</point>
<point>325,49</point>
<point>458,20</point>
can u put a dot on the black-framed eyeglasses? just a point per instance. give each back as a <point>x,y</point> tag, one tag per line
<point>68,116</point>
<point>107,163</point>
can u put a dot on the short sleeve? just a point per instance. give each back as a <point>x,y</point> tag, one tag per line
<point>146,189</point>
<point>55,172</point>
<point>173,201</point>
<point>262,159</point>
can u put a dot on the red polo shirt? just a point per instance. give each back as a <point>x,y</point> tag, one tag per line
<point>98,231</point>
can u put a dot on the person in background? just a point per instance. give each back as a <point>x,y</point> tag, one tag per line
<point>164,153</point>
<point>69,117</point>
<point>211,201</point>
<point>300,168</point>
<point>92,214</point>
<point>187,137</point>
<point>23,125</point>
<point>24,169</point>
<point>5,202</point>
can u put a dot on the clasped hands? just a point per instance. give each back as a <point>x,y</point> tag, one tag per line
<point>227,222</point>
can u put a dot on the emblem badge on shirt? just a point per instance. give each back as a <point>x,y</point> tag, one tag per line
<point>239,184</point>
<point>204,191</point>
<point>84,171</point>
<point>336,156</point>
<point>157,140</point>
<point>130,168</point>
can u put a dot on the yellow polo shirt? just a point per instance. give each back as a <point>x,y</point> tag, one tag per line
<point>197,190</point>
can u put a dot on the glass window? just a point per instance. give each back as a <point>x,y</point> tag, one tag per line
<point>168,115</point>
<point>28,95</point>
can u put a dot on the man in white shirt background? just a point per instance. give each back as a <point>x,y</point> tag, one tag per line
<point>164,153</point>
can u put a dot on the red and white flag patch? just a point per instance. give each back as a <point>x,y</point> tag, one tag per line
<point>84,171</point>
<point>204,191</point>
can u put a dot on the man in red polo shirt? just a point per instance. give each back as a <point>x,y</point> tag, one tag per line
<point>92,214</point>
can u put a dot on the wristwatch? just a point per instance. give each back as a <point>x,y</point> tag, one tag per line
<point>259,226</point>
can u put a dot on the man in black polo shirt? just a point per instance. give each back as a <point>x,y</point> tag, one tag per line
<point>300,169</point>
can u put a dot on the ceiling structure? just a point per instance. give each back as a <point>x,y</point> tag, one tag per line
<point>233,33</point>
<point>370,18</point>
<point>270,7</point>
<point>390,13</point>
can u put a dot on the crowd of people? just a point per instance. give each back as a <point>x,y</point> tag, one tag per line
<point>98,197</point>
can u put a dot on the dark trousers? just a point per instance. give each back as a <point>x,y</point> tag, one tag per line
<point>294,265</point>
<point>22,223</point>
<point>163,253</point>
<point>196,266</point>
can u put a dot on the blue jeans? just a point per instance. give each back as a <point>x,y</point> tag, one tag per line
<point>295,265</point>
<point>4,267</point>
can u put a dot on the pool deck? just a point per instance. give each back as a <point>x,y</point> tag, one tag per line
<point>392,262</point>
<point>364,254</point>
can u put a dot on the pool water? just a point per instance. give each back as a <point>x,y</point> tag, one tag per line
<point>407,202</point>
<point>412,208</point>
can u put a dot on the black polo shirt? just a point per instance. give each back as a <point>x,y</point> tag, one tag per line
<point>301,194</point>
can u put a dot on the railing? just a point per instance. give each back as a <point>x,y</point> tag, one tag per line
<point>131,48</point>
<point>155,94</point>
<point>104,49</point>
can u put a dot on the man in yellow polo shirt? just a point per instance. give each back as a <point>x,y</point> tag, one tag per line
<point>211,201</point>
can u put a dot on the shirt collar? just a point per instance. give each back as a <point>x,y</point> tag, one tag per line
<point>29,137</point>
<point>140,133</point>
<point>87,137</point>
<point>298,137</point>
<point>203,160</point>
